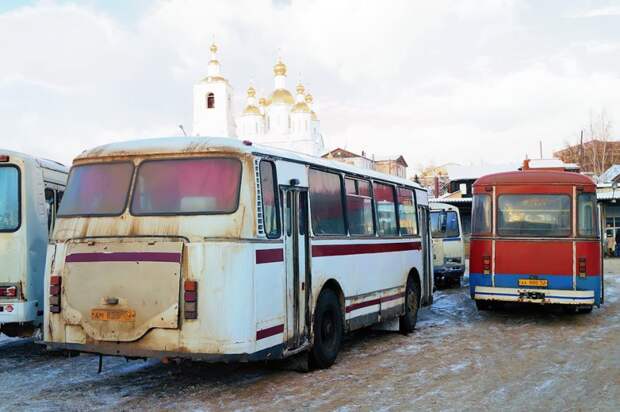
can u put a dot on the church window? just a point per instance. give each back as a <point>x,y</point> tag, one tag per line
<point>210,101</point>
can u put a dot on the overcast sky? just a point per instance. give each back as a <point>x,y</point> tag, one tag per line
<point>438,81</point>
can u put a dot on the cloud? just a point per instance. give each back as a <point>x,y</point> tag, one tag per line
<point>462,81</point>
<point>609,11</point>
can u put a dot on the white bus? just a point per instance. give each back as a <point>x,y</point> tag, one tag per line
<point>219,250</point>
<point>448,245</point>
<point>30,191</point>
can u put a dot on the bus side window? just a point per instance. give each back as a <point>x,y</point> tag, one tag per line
<point>270,203</point>
<point>386,209</point>
<point>50,203</point>
<point>406,212</point>
<point>59,194</point>
<point>326,208</point>
<point>359,207</point>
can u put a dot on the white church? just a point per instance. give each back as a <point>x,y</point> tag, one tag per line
<point>280,120</point>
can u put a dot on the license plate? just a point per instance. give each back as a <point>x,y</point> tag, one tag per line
<point>533,282</point>
<point>113,314</point>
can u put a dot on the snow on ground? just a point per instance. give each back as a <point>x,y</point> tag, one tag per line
<point>458,359</point>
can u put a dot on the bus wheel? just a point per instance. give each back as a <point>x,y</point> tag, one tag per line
<point>409,319</point>
<point>585,309</point>
<point>328,330</point>
<point>483,305</point>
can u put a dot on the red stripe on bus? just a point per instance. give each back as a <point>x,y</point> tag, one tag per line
<point>269,256</point>
<point>124,257</point>
<point>358,249</point>
<point>373,302</point>
<point>265,333</point>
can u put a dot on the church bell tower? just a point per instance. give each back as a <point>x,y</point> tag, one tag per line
<point>213,102</point>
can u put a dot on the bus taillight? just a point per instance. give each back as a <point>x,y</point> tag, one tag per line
<point>582,267</point>
<point>190,307</point>
<point>8,291</point>
<point>486,265</point>
<point>11,292</point>
<point>55,284</point>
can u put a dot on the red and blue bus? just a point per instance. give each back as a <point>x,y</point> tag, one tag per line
<point>535,238</point>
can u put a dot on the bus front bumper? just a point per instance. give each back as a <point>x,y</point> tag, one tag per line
<point>542,296</point>
<point>453,271</point>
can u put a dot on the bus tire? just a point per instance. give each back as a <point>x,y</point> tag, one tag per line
<point>328,330</point>
<point>585,310</point>
<point>410,317</point>
<point>483,305</point>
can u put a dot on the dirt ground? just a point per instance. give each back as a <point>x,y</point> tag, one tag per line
<point>458,359</point>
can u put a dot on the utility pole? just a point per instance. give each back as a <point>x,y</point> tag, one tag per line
<point>581,150</point>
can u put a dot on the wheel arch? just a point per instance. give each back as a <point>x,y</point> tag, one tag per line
<point>333,285</point>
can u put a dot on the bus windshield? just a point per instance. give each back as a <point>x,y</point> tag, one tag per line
<point>187,186</point>
<point>444,224</point>
<point>98,189</point>
<point>9,198</point>
<point>534,215</point>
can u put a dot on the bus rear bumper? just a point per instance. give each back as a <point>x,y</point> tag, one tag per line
<point>541,296</point>
<point>18,312</point>
<point>112,349</point>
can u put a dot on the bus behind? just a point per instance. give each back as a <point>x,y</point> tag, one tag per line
<point>535,238</point>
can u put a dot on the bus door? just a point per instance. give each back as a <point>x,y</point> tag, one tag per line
<point>423,217</point>
<point>297,261</point>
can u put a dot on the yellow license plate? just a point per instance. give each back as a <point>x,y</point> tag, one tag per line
<point>113,314</point>
<point>533,282</point>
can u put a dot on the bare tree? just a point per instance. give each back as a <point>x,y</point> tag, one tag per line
<point>599,135</point>
<point>594,151</point>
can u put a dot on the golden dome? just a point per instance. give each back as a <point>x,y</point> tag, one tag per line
<point>300,107</point>
<point>281,96</point>
<point>309,98</point>
<point>249,109</point>
<point>262,101</point>
<point>279,69</point>
<point>213,48</point>
<point>251,91</point>
<point>300,88</point>
<point>313,115</point>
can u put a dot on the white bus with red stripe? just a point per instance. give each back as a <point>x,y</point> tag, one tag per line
<point>30,191</point>
<point>220,250</point>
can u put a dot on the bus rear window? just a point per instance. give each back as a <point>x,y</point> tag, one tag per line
<point>481,220</point>
<point>99,189</point>
<point>534,215</point>
<point>587,217</point>
<point>187,186</point>
<point>9,199</point>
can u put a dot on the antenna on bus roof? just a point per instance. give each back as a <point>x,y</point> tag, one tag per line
<point>183,130</point>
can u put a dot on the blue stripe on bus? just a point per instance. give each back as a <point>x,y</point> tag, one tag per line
<point>547,296</point>
<point>451,239</point>
<point>557,282</point>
